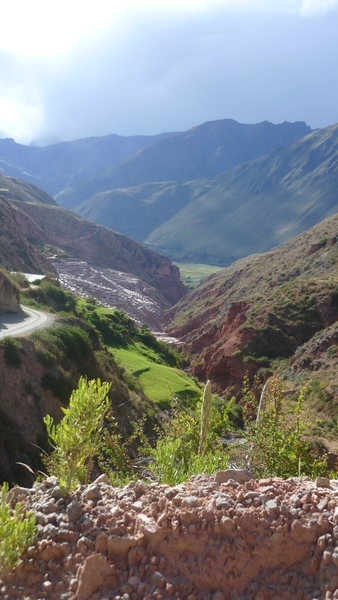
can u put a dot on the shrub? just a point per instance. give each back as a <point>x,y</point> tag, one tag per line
<point>176,455</point>
<point>13,351</point>
<point>77,439</point>
<point>17,531</point>
<point>277,436</point>
<point>19,280</point>
<point>50,294</point>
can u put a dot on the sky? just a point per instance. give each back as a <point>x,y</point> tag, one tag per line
<point>74,69</point>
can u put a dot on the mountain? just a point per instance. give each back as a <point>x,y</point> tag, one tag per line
<point>277,309</point>
<point>31,231</point>
<point>247,209</point>
<point>16,189</point>
<point>204,151</point>
<point>258,205</point>
<point>58,166</point>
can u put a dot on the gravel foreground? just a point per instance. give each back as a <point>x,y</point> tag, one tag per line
<point>223,537</point>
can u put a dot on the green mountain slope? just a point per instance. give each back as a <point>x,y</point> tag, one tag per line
<point>16,189</point>
<point>260,204</point>
<point>203,151</point>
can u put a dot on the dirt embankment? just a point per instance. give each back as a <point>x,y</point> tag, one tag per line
<point>201,540</point>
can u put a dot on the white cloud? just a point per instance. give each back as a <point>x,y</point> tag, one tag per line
<point>311,8</point>
<point>21,112</point>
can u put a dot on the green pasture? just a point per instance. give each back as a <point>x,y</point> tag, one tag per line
<point>158,381</point>
<point>192,274</point>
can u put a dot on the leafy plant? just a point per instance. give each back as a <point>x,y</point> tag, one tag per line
<point>77,439</point>
<point>176,455</point>
<point>277,436</point>
<point>17,531</point>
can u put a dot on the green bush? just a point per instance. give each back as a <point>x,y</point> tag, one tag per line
<point>19,280</point>
<point>277,444</point>
<point>50,294</point>
<point>65,343</point>
<point>13,351</point>
<point>17,532</point>
<point>77,439</point>
<point>61,386</point>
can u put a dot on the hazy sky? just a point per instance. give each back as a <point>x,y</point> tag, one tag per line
<point>72,69</point>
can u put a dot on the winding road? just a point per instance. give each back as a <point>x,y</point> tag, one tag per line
<point>30,320</point>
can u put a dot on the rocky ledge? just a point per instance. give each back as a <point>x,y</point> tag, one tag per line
<point>9,296</point>
<point>212,538</point>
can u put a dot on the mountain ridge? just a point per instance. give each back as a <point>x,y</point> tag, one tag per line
<point>60,165</point>
<point>201,152</point>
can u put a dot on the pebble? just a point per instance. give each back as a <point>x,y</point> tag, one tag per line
<point>74,510</point>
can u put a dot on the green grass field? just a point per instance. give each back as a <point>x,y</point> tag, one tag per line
<point>158,381</point>
<point>192,274</point>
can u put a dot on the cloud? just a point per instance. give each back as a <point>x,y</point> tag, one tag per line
<point>158,67</point>
<point>21,103</point>
<point>312,8</point>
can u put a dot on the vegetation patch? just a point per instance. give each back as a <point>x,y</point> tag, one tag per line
<point>13,351</point>
<point>159,381</point>
<point>192,274</point>
<point>17,531</point>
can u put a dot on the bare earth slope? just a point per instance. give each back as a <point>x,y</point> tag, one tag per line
<point>9,295</point>
<point>201,540</point>
<point>77,237</point>
<point>33,228</point>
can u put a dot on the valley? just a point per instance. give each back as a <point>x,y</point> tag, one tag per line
<point>261,184</point>
<point>110,307</point>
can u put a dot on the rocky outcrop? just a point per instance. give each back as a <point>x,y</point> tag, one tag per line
<point>9,296</point>
<point>205,539</point>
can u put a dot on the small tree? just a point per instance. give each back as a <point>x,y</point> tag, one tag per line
<point>77,439</point>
